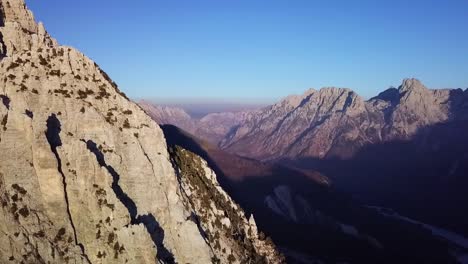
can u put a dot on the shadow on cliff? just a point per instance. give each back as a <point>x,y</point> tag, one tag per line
<point>148,220</point>
<point>54,127</point>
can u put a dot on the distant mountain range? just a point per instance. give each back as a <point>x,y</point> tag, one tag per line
<point>212,127</point>
<point>336,122</point>
<point>325,123</point>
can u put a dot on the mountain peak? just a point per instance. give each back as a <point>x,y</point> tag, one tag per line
<point>19,30</point>
<point>16,11</point>
<point>295,100</point>
<point>411,84</point>
<point>331,90</point>
<point>309,92</point>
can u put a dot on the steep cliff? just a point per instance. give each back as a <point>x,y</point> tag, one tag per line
<point>85,176</point>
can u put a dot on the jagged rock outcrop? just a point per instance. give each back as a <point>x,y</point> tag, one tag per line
<point>19,31</point>
<point>338,122</point>
<point>85,176</point>
<point>213,127</point>
<point>228,232</point>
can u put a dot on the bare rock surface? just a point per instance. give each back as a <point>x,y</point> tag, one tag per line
<point>85,176</point>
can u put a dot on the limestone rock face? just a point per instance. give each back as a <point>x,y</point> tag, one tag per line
<point>338,122</point>
<point>85,176</point>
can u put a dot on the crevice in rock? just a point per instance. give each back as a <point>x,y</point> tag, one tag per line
<point>29,113</point>
<point>152,166</point>
<point>148,220</point>
<point>5,101</point>
<point>196,219</point>
<point>335,102</point>
<point>69,63</point>
<point>147,157</point>
<point>4,122</point>
<point>2,16</point>
<point>348,101</point>
<point>3,48</point>
<point>53,137</point>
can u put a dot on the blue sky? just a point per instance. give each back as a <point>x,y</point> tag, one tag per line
<point>262,50</point>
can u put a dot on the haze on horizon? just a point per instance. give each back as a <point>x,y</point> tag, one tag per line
<point>264,50</point>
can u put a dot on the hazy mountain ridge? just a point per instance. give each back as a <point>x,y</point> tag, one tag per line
<point>211,127</point>
<point>325,123</point>
<point>338,122</point>
<point>85,174</point>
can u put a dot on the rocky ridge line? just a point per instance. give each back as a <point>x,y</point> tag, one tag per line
<point>336,122</point>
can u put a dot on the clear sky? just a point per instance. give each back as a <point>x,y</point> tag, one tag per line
<point>264,49</point>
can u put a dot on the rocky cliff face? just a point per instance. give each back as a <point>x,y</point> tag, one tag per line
<point>85,176</point>
<point>338,122</point>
